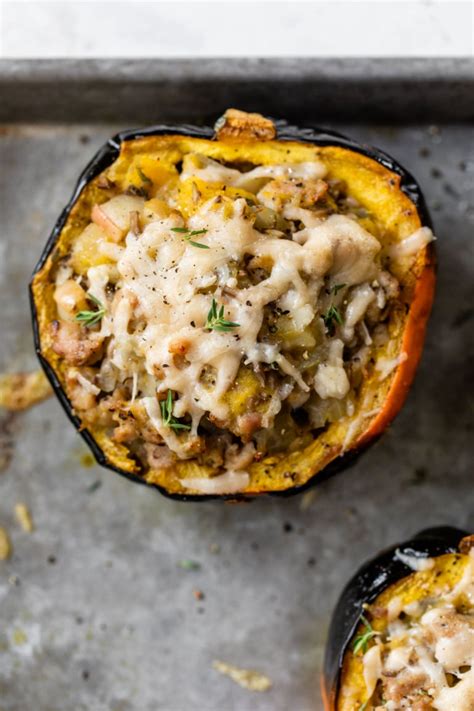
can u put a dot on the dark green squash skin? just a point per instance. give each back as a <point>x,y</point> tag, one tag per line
<point>366,585</point>
<point>104,158</point>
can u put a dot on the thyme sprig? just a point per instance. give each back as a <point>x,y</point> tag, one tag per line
<point>332,315</point>
<point>216,321</point>
<point>169,420</point>
<point>188,234</point>
<point>90,318</point>
<point>362,640</point>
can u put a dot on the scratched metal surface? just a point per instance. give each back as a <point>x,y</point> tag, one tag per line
<point>95,612</point>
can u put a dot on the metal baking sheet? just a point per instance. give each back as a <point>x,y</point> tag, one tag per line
<point>196,90</point>
<point>96,613</point>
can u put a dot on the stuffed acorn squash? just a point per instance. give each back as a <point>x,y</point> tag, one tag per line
<point>402,634</point>
<point>228,313</point>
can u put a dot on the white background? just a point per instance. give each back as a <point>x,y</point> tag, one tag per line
<point>106,28</point>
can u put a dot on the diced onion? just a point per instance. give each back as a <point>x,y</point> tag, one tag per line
<point>87,385</point>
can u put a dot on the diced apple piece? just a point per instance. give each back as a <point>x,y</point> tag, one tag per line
<point>101,219</point>
<point>113,216</point>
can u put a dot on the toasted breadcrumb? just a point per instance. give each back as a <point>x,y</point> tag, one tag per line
<point>247,678</point>
<point>5,545</point>
<point>23,516</point>
<point>307,499</point>
<point>239,124</point>
<point>19,391</point>
<point>466,544</point>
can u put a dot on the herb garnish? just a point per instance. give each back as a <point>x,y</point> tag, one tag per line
<point>362,640</point>
<point>216,321</point>
<point>169,420</point>
<point>332,314</point>
<point>364,705</point>
<point>187,234</point>
<point>90,318</point>
<point>189,564</point>
<point>144,178</point>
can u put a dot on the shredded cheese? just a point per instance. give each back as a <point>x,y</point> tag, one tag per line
<point>86,384</point>
<point>167,277</point>
<point>414,562</point>
<point>385,366</point>
<point>229,483</point>
<point>412,244</point>
<point>372,668</point>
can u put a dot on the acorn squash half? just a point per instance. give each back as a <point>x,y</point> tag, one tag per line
<point>405,580</point>
<point>150,165</point>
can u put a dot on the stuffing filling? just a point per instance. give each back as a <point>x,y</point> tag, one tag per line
<point>223,313</point>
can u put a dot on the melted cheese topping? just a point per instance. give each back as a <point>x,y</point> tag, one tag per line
<point>413,561</point>
<point>212,171</point>
<point>167,283</point>
<point>412,244</point>
<point>425,660</point>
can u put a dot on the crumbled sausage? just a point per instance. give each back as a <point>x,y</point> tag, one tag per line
<point>239,124</point>
<point>248,424</point>
<point>179,346</point>
<point>125,432</point>
<point>81,399</point>
<point>159,456</point>
<point>75,344</point>
<point>404,685</point>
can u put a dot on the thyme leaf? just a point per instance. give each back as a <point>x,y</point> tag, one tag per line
<point>90,318</point>
<point>188,234</point>
<point>169,420</point>
<point>216,321</point>
<point>337,287</point>
<point>189,564</point>
<point>144,178</point>
<point>362,640</point>
<point>332,315</point>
